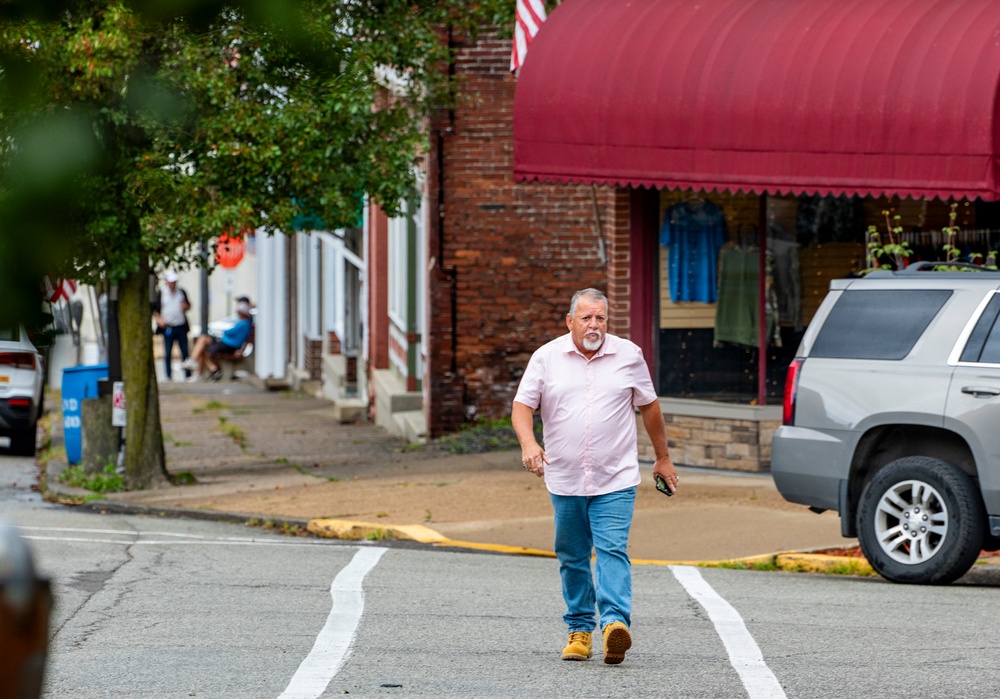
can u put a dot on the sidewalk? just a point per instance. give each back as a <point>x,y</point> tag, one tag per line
<point>282,456</point>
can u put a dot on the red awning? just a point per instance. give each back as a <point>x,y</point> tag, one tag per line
<point>780,96</point>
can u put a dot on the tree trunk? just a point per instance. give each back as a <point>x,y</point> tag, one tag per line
<point>145,462</point>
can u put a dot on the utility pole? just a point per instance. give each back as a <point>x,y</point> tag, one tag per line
<point>204,288</point>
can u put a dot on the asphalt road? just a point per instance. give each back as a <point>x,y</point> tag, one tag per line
<point>158,607</point>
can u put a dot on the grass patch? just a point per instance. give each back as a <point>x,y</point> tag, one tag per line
<point>182,478</point>
<point>286,528</point>
<point>852,567</point>
<point>235,432</point>
<point>210,405</point>
<point>51,453</point>
<point>107,481</point>
<point>485,436</point>
<point>45,422</point>
<point>381,535</point>
<point>769,565</point>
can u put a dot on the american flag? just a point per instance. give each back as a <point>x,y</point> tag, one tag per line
<point>528,17</point>
<point>61,288</point>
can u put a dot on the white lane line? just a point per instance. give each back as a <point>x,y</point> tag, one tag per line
<point>744,655</point>
<point>180,538</point>
<point>334,641</point>
<point>196,542</point>
<point>140,532</point>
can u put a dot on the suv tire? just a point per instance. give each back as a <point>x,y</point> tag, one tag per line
<point>23,442</point>
<point>921,520</point>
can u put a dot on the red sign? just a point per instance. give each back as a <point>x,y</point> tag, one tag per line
<point>229,250</point>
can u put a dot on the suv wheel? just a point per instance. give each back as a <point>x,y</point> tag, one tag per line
<point>920,520</point>
<point>22,443</point>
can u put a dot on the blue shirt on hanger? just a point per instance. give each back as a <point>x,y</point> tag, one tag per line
<point>694,232</point>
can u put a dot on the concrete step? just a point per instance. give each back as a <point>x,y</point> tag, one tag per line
<point>391,390</point>
<point>411,425</point>
<point>392,399</point>
<point>346,410</point>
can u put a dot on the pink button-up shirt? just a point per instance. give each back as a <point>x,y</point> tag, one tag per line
<point>588,413</point>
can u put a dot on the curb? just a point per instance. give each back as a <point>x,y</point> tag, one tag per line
<point>51,486</point>
<point>351,530</point>
<point>789,561</point>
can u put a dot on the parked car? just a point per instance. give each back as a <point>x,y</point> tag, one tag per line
<point>22,376</point>
<point>892,418</point>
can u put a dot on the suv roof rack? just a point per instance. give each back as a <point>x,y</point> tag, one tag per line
<point>953,266</point>
<point>938,268</point>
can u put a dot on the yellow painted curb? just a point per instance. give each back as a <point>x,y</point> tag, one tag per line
<point>499,548</point>
<point>749,560</point>
<point>360,531</point>
<point>789,561</point>
<point>357,531</point>
<point>822,563</point>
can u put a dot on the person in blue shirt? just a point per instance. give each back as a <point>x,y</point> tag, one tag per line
<point>208,349</point>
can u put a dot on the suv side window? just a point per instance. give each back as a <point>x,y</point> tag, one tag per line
<point>984,341</point>
<point>878,323</point>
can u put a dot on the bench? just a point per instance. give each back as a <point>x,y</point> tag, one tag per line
<point>231,362</point>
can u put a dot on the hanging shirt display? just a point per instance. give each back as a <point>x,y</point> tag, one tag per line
<point>737,314</point>
<point>693,232</point>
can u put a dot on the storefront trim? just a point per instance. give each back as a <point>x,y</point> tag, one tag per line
<point>865,97</point>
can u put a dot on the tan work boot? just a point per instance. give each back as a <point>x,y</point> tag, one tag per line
<point>579,646</point>
<point>617,640</point>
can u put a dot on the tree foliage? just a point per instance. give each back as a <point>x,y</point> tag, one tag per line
<point>131,132</point>
<point>240,117</point>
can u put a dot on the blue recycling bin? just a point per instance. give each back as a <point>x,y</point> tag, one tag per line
<point>78,383</point>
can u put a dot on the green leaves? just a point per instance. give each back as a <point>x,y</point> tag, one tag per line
<point>184,119</point>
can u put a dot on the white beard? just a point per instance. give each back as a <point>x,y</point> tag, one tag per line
<point>593,345</point>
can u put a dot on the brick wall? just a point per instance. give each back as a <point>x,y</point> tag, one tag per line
<point>505,258</point>
<point>618,233</point>
<point>313,358</point>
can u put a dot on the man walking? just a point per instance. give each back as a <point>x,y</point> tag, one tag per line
<point>588,384</point>
<point>171,320</point>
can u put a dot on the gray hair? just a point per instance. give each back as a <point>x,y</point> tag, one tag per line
<point>592,295</point>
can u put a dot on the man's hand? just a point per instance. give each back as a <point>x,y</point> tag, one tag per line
<point>534,459</point>
<point>664,468</point>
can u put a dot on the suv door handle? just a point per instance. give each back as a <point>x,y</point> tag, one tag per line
<point>981,391</point>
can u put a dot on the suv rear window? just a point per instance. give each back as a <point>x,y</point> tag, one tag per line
<point>878,323</point>
<point>984,342</point>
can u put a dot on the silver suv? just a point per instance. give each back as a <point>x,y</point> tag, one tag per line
<point>892,418</point>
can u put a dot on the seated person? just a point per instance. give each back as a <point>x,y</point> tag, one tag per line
<point>207,348</point>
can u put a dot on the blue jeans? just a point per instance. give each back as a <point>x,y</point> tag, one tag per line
<point>171,335</point>
<point>601,523</point>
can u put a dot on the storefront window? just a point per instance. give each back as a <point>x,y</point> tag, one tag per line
<point>709,271</point>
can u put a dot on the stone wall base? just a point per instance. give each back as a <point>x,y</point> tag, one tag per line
<point>708,435</point>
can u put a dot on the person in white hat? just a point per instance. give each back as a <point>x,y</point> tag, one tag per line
<point>207,349</point>
<point>170,314</point>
